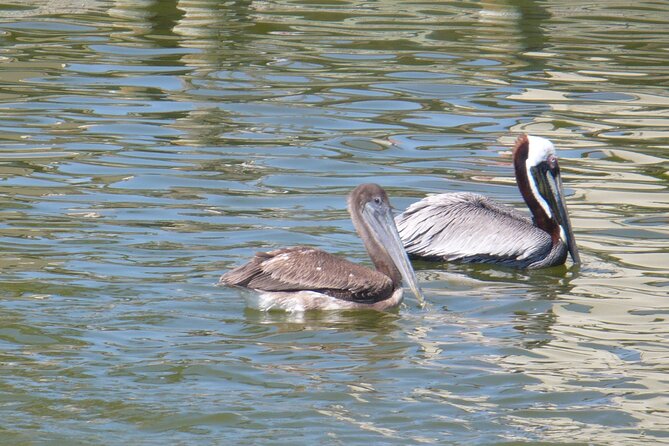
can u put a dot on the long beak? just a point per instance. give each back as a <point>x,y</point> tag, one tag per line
<point>384,230</point>
<point>552,191</point>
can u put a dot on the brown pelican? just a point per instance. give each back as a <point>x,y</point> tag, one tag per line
<point>471,228</point>
<point>302,278</point>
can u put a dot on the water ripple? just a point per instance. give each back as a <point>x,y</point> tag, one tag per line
<point>150,146</point>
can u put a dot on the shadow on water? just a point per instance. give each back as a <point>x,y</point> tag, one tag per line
<point>345,321</point>
<point>524,299</point>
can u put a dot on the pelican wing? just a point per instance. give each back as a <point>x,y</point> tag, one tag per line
<point>303,268</point>
<point>471,228</point>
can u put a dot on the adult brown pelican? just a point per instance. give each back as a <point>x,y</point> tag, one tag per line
<point>302,278</point>
<point>471,228</point>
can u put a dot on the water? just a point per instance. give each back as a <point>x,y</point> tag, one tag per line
<point>147,147</point>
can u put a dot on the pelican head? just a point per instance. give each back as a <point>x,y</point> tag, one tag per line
<point>538,177</point>
<point>373,219</point>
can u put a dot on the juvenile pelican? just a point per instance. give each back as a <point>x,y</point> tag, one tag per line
<point>471,228</point>
<point>302,278</point>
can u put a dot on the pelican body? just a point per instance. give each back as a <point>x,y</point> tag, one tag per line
<point>471,228</point>
<point>302,278</point>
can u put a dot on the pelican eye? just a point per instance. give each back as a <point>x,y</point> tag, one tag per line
<point>552,162</point>
<point>377,200</point>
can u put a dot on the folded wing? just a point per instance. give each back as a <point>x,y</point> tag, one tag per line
<point>307,269</point>
<point>470,227</point>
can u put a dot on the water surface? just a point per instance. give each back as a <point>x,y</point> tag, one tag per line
<point>146,147</point>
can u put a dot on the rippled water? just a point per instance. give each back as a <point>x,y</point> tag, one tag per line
<point>148,146</point>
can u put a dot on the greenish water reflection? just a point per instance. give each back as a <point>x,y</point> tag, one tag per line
<point>146,147</point>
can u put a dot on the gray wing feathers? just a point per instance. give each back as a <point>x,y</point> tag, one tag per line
<point>470,227</point>
<point>303,268</point>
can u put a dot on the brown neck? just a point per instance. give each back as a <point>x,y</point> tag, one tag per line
<point>380,257</point>
<point>539,215</point>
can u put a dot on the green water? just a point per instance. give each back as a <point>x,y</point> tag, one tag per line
<point>148,146</point>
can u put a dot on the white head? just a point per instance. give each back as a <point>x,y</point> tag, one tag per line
<point>540,183</point>
<point>539,150</point>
